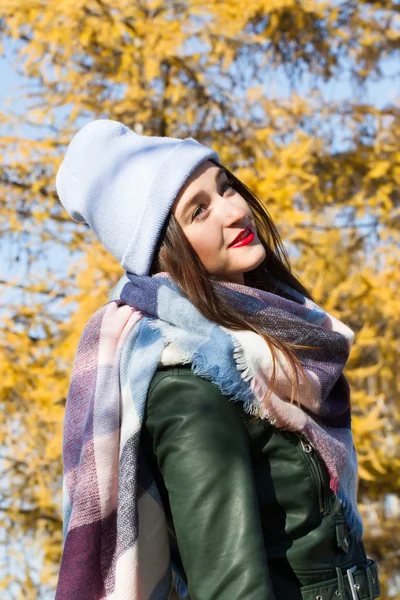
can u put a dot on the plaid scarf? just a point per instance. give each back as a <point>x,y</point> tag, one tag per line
<point>115,536</point>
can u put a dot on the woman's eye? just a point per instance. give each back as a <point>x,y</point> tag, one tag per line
<point>196,212</point>
<point>227,185</point>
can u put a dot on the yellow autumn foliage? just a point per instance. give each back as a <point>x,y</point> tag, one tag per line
<point>328,171</point>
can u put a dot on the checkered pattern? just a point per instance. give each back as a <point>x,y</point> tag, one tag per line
<point>116,541</point>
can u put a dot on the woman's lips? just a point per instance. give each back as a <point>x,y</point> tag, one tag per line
<point>244,238</point>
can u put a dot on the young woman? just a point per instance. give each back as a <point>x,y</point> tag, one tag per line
<point>207,443</point>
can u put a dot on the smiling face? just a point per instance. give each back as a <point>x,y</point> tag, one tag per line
<point>213,216</point>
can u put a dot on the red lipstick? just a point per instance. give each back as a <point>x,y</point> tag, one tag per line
<point>246,236</point>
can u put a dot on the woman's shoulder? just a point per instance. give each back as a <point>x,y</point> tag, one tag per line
<point>177,378</point>
<point>190,411</point>
<point>166,372</point>
<point>177,389</point>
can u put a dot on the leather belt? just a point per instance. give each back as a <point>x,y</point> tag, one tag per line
<point>360,582</point>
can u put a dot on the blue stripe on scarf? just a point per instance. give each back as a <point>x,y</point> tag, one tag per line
<point>143,342</point>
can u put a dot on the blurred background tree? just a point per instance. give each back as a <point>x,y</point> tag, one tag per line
<point>328,170</point>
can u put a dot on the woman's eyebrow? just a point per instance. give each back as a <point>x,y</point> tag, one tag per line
<point>199,194</point>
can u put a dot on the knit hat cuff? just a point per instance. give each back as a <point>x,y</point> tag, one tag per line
<point>180,163</point>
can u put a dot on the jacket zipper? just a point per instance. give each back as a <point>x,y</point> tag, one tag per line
<point>308,449</point>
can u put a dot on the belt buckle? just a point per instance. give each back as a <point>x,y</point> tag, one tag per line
<point>353,588</point>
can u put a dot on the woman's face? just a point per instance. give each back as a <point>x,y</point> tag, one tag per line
<point>212,215</point>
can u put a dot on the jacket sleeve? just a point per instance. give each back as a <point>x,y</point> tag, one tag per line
<point>202,449</point>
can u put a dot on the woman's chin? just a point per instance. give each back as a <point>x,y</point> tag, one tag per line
<point>254,259</point>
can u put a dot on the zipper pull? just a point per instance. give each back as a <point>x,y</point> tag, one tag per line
<point>306,446</point>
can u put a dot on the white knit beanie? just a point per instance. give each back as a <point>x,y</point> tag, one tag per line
<point>123,186</point>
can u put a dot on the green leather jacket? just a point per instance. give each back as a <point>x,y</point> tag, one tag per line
<point>250,512</point>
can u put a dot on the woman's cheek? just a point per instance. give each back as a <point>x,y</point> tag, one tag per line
<point>209,252</point>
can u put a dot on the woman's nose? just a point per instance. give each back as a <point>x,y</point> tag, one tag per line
<point>233,212</point>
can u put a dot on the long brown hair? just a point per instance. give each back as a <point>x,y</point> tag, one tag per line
<point>176,256</point>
